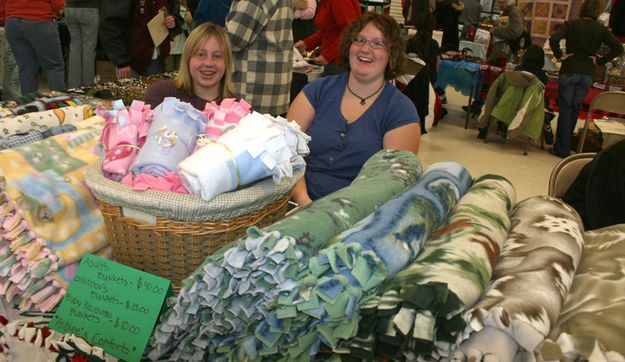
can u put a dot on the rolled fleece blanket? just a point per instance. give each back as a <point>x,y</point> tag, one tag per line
<point>170,138</point>
<point>123,136</point>
<point>324,305</point>
<point>220,117</point>
<point>418,312</point>
<point>252,150</point>
<point>236,286</point>
<point>592,320</point>
<point>530,282</point>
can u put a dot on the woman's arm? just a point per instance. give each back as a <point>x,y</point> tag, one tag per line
<point>616,48</point>
<point>302,112</point>
<point>300,193</point>
<point>406,137</point>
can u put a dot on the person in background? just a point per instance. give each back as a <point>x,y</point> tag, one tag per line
<point>533,61</point>
<point>81,17</point>
<point>303,18</point>
<point>125,37</point>
<point>424,46</point>
<point>304,9</point>
<point>412,8</point>
<point>205,73</point>
<point>358,112</point>
<point>597,194</point>
<point>510,28</point>
<point>447,14</point>
<point>333,16</point>
<point>177,43</point>
<point>262,45</point>
<point>584,36</point>
<point>470,16</point>
<point>10,82</point>
<point>192,5</point>
<point>303,27</point>
<point>214,11</point>
<point>33,34</point>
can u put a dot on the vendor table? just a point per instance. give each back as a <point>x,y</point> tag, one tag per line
<point>462,75</point>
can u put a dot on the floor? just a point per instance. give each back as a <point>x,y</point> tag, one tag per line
<point>449,141</point>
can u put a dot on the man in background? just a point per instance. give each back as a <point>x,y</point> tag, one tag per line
<point>33,34</point>
<point>470,16</point>
<point>126,39</point>
<point>262,45</point>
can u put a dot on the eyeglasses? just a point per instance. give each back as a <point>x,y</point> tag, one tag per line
<point>374,43</point>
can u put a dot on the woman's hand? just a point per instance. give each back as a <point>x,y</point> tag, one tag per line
<point>300,46</point>
<point>170,22</point>
<point>321,60</point>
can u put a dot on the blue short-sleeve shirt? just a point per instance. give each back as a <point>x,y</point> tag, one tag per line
<point>338,149</point>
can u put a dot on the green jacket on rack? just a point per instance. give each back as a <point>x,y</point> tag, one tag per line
<point>516,99</point>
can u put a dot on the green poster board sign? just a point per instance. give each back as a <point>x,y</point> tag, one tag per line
<point>112,306</point>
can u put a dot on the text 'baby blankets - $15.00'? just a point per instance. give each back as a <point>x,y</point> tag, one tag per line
<point>48,217</point>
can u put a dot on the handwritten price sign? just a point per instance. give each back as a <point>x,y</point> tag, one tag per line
<point>112,306</point>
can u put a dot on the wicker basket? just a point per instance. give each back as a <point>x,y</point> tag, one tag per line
<point>172,244</point>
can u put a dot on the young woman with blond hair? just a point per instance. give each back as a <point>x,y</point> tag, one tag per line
<point>205,73</point>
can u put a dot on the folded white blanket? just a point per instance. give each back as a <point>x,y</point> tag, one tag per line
<point>258,147</point>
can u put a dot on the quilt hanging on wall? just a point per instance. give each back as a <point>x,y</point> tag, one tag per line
<point>542,17</point>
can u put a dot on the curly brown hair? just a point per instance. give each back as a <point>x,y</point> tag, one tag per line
<point>395,43</point>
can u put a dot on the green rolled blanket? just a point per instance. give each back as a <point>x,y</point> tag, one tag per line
<point>418,312</point>
<point>235,287</point>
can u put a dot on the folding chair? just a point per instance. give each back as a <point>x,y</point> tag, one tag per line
<point>612,101</point>
<point>566,171</point>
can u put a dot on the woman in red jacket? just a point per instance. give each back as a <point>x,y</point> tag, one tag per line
<point>34,38</point>
<point>333,16</point>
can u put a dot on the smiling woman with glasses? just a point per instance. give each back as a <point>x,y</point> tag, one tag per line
<point>352,115</point>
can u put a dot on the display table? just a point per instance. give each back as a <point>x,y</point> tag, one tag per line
<point>462,75</point>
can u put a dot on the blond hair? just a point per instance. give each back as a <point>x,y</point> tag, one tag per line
<point>194,42</point>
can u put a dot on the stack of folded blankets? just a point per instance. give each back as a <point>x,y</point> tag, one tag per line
<point>178,148</point>
<point>49,218</point>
